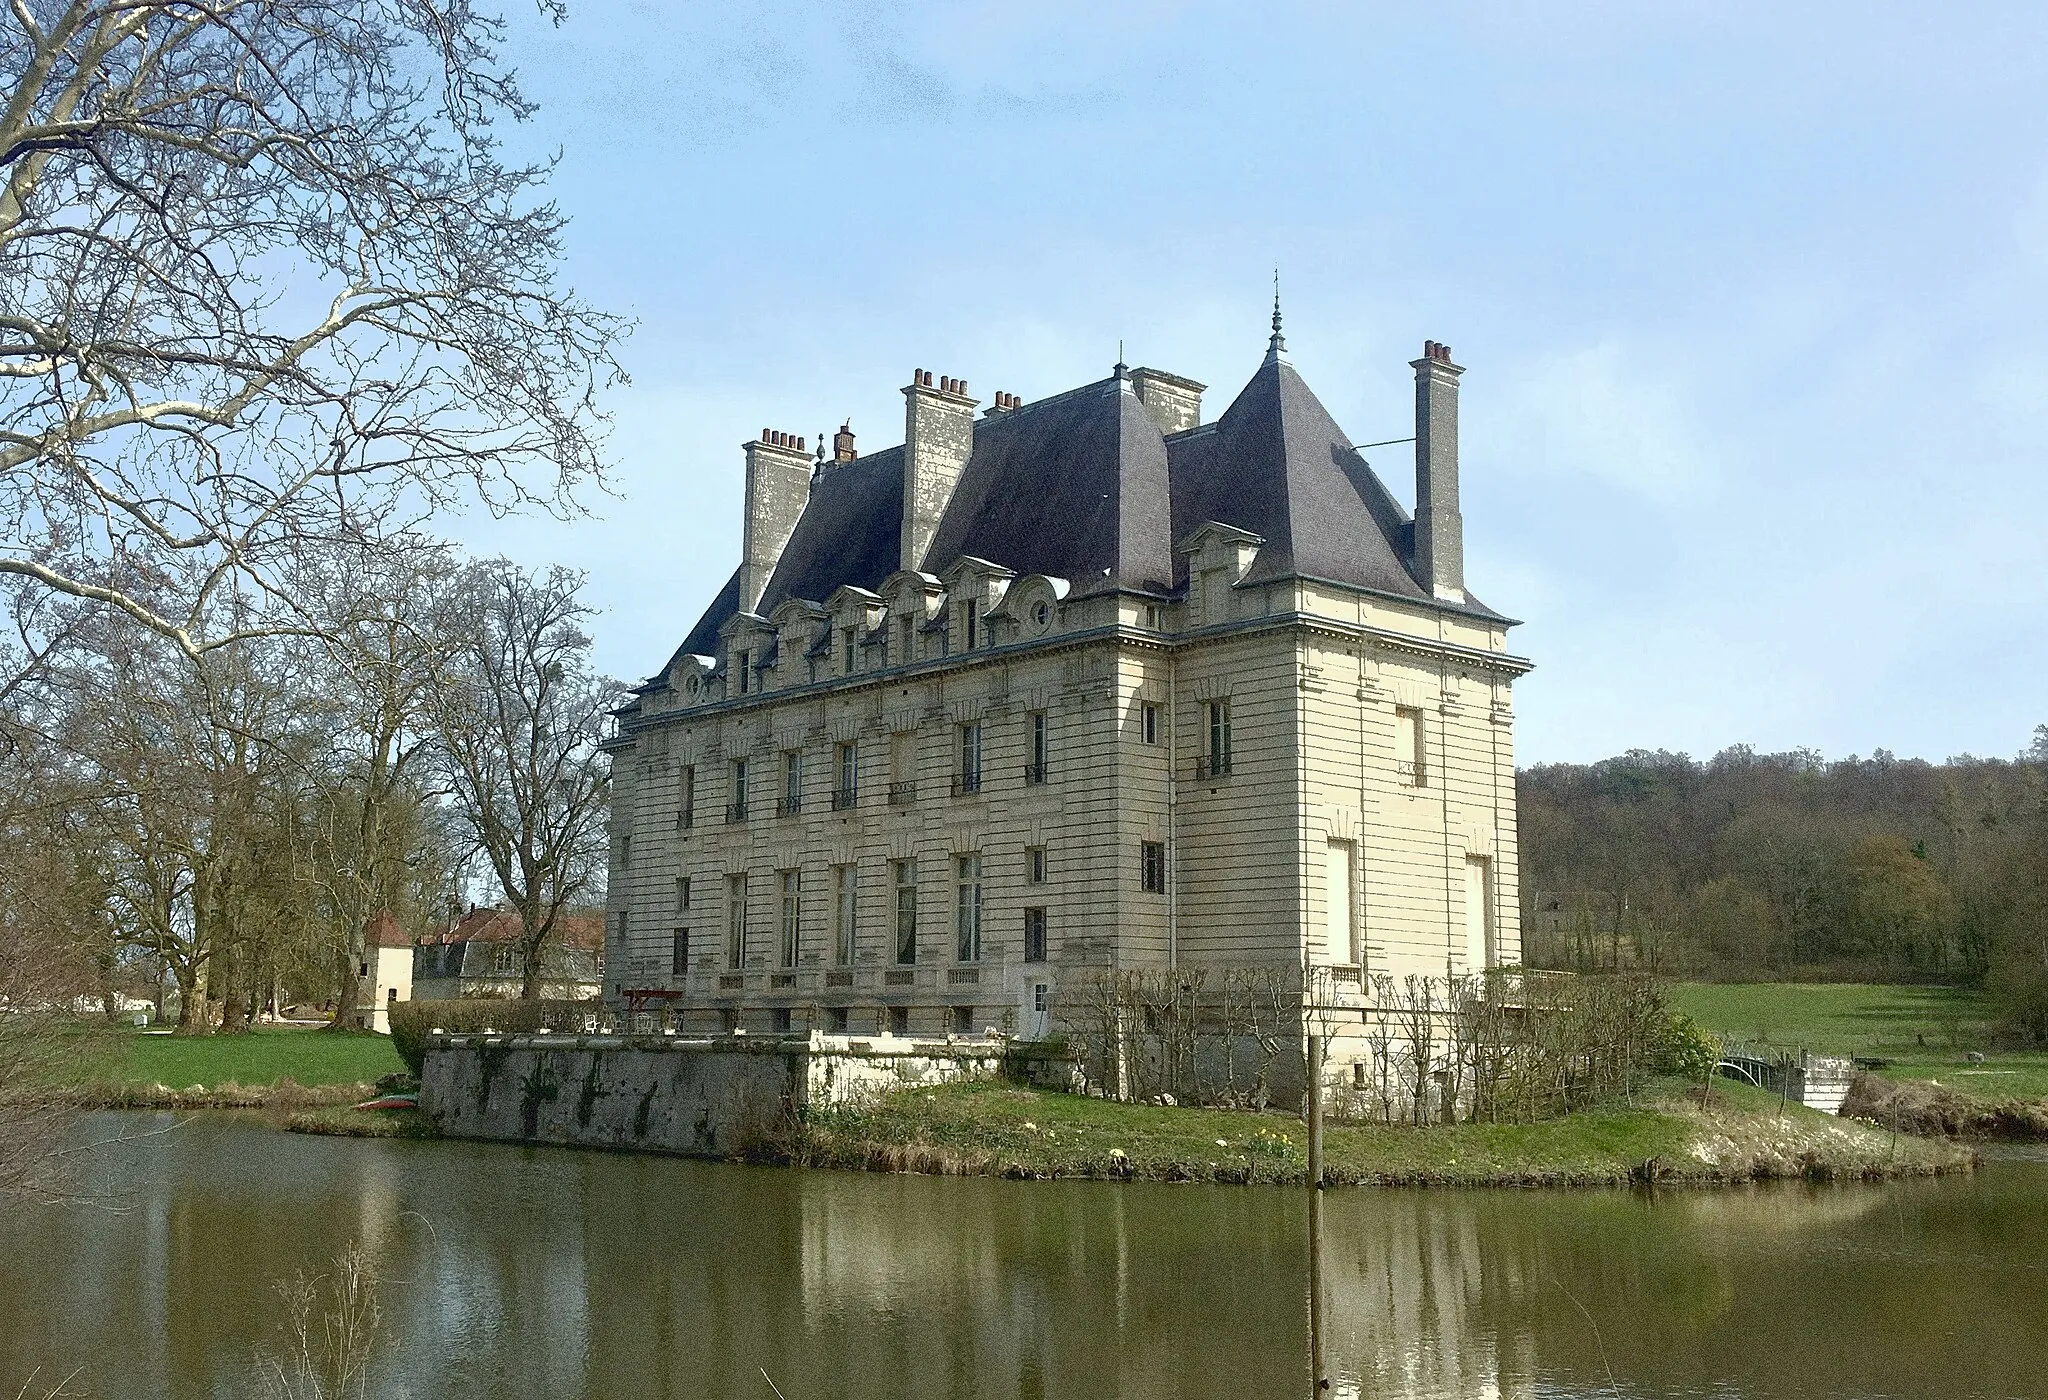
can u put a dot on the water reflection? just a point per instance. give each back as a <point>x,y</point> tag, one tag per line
<point>520,1273</point>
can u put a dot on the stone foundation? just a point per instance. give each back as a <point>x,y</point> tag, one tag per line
<point>699,1097</point>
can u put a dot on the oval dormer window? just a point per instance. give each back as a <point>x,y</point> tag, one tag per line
<point>1041,614</point>
<point>693,685</point>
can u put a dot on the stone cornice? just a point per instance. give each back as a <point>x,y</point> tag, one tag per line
<point>1140,639</point>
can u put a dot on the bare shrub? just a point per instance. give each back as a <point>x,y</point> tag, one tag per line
<point>331,1327</point>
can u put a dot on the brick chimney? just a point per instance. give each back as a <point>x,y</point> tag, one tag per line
<point>1439,528</point>
<point>1174,403</point>
<point>778,486</point>
<point>938,437</point>
<point>842,443</point>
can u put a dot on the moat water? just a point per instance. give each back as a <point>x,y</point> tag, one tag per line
<point>511,1272</point>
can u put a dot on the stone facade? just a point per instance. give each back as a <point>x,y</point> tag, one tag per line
<point>937,802</point>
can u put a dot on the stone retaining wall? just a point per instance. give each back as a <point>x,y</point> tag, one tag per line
<point>700,1097</point>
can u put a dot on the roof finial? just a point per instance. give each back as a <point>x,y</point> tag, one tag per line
<point>1276,348</point>
<point>1118,373</point>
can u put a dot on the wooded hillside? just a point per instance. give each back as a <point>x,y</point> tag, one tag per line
<point>1786,865</point>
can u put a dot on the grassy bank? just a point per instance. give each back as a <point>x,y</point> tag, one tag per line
<point>1924,1034</point>
<point>272,1067</point>
<point>1002,1130</point>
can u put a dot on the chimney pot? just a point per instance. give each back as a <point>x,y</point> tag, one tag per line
<point>960,386</point>
<point>927,380</point>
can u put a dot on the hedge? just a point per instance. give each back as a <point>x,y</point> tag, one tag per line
<point>412,1020</point>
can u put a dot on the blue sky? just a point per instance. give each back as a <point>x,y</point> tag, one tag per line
<point>1752,298</point>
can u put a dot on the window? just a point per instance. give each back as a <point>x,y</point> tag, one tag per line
<point>971,614</point>
<point>792,784</point>
<point>626,852</point>
<point>1409,754</point>
<point>1479,944</point>
<point>843,887</point>
<point>679,953</point>
<point>391,994</point>
<point>967,907</point>
<point>778,1020</point>
<point>682,894</point>
<point>848,791</point>
<point>687,817</point>
<point>963,1020</point>
<point>904,873</point>
<point>899,1020</point>
<point>1034,935</point>
<point>728,1020</point>
<point>504,959</point>
<point>1216,762</point>
<point>909,630</point>
<point>736,809</point>
<point>735,921</point>
<point>1339,886</point>
<point>836,1019</point>
<point>846,651</point>
<point>969,779</point>
<point>1034,865</point>
<point>740,664</point>
<point>1034,772</point>
<point>792,905</point>
<point>1152,866</point>
<point>1041,997</point>
<point>1148,723</point>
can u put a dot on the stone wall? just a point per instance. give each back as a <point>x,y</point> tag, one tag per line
<point>701,1097</point>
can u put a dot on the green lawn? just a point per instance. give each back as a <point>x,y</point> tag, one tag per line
<point>307,1057</point>
<point>998,1129</point>
<point>1925,1032</point>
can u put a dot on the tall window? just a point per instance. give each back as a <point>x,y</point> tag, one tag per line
<point>735,921</point>
<point>967,907</point>
<point>848,790</point>
<point>792,783</point>
<point>843,932</point>
<point>1479,941</point>
<point>687,816</point>
<point>740,664</point>
<point>1410,756</point>
<point>1148,723</point>
<point>626,852</point>
<point>972,616</point>
<point>846,651</point>
<point>1034,935</point>
<point>679,954</point>
<point>1339,885</point>
<point>904,873</point>
<point>736,810</point>
<point>1034,865</point>
<point>1034,772</point>
<point>682,894</point>
<point>1217,761</point>
<point>970,759</point>
<point>1152,866</point>
<point>792,914</point>
<point>908,629</point>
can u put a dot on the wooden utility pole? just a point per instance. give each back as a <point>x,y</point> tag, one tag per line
<point>1319,1371</point>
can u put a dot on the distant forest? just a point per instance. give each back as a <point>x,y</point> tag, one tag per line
<point>1787,866</point>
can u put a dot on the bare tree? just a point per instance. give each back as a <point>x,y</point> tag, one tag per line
<point>520,717</point>
<point>266,284</point>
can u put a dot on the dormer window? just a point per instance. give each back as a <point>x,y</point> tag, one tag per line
<point>909,640</point>
<point>1041,614</point>
<point>740,663</point>
<point>972,617</point>
<point>847,655</point>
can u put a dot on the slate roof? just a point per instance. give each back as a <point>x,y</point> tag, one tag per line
<point>1083,486</point>
<point>1074,486</point>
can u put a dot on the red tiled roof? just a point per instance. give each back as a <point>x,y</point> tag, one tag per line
<point>382,931</point>
<point>581,929</point>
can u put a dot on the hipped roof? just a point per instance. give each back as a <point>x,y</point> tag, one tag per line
<point>1083,486</point>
